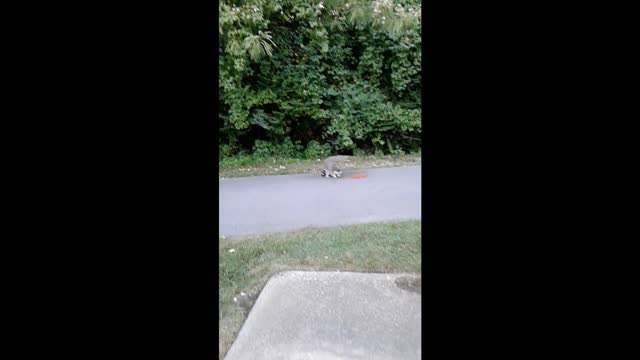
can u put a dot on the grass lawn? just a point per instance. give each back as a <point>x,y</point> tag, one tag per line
<point>247,263</point>
<point>249,166</point>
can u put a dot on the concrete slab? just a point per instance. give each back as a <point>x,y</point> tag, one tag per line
<point>333,315</point>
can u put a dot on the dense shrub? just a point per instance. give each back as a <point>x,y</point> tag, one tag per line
<point>316,150</point>
<point>304,78</point>
<point>285,150</point>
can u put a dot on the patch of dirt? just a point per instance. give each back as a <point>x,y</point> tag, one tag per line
<point>246,300</point>
<point>410,283</point>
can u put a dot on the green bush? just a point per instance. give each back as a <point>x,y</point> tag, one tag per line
<point>263,149</point>
<point>315,150</point>
<point>285,150</point>
<point>361,118</point>
<point>344,74</point>
<point>225,151</point>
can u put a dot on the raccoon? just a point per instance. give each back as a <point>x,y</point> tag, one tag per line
<point>333,166</point>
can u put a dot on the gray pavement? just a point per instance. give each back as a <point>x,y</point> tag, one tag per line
<point>333,315</point>
<point>263,204</point>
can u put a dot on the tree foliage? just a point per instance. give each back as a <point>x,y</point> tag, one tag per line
<point>326,75</point>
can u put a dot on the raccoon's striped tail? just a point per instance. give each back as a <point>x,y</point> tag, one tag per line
<point>334,174</point>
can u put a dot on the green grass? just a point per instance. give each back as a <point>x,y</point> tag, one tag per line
<point>377,247</point>
<point>246,165</point>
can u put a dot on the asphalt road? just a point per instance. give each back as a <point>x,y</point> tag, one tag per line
<point>264,204</point>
